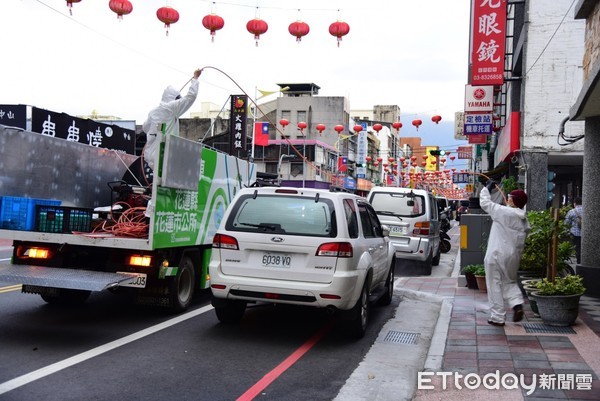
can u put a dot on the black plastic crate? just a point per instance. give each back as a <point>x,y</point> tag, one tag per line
<point>63,219</point>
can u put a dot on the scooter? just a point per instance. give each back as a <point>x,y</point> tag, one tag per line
<point>445,245</point>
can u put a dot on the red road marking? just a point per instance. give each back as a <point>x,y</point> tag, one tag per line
<point>285,365</point>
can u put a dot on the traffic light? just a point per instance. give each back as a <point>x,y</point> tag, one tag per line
<point>550,185</point>
<point>437,152</point>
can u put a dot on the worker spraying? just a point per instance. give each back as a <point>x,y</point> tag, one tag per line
<point>172,106</point>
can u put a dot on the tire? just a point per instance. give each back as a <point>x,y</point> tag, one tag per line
<point>181,288</point>
<point>386,298</point>
<point>360,314</point>
<point>436,261</point>
<point>230,312</point>
<point>67,297</point>
<point>445,246</point>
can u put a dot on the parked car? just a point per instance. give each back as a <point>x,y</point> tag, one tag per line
<point>442,204</point>
<point>301,246</point>
<point>413,219</point>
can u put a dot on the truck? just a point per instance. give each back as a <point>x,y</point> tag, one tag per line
<point>83,218</point>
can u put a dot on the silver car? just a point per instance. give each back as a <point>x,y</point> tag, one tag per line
<point>413,220</point>
<point>303,247</point>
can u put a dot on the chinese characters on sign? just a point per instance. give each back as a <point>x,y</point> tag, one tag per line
<point>488,42</point>
<point>237,124</point>
<point>81,130</point>
<point>14,115</point>
<point>478,124</point>
<point>182,219</point>
<point>464,152</point>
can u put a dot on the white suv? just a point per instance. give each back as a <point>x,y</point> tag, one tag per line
<point>412,216</point>
<point>301,246</point>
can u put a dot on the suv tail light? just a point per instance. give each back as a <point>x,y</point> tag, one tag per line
<point>225,242</point>
<point>421,228</point>
<point>335,249</point>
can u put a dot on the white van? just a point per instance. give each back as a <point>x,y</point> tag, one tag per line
<point>412,216</point>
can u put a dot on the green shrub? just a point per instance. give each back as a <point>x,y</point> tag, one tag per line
<point>472,268</point>
<point>568,285</point>
<point>535,255</point>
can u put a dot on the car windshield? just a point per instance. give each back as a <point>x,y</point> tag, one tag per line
<point>292,215</point>
<point>401,204</point>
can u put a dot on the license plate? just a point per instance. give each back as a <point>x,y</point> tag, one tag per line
<point>271,259</point>
<point>137,280</point>
<point>398,230</point>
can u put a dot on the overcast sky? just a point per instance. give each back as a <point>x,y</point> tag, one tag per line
<point>413,54</point>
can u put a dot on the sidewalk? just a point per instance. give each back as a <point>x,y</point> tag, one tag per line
<point>564,360</point>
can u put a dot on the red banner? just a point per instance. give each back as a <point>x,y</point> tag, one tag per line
<point>488,42</point>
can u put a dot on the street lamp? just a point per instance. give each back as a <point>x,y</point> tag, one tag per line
<point>279,166</point>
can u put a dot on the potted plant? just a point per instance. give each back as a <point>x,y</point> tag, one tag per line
<point>534,260</point>
<point>480,277</point>
<point>469,272</point>
<point>558,301</point>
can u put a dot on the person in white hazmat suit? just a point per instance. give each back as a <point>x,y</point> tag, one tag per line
<point>172,106</point>
<point>504,250</point>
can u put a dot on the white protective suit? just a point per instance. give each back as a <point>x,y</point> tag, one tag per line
<point>503,255</point>
<point>168,112</point>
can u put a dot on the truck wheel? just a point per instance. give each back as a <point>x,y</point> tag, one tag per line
<point>181,289</point>
<point>360,314</point>
<point>229,312</point>
<point>386,299</point>
<point>67,297</point>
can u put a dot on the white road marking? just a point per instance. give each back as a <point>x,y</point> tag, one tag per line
<point>55,367</point>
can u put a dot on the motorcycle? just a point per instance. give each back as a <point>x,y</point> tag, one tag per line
<point>445,226</point>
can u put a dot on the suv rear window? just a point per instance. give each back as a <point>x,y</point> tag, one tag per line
<point>398,204</point>
<point>292,215</point>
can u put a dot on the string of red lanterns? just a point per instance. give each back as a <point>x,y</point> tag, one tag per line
<point>214,22</point>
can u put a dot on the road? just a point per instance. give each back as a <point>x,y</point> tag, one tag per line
<point>108,349</point>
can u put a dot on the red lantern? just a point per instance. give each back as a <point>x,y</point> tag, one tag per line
<point>339,128</point>
<point>417,123</point>
<point>357,128</point>
<point>299,29</point>
<point>120,7</point>
<point>379,159</point>
<point>423,164</point>
<point>452,158</point>
<point>391,159</point>
<point>168,16</point>
<point>257,27</point>
<point>339,29</point>
<point>213,23</point>
<point>402,159</point>
<point>377,127</point>
<point>284,122</point>
<point>369,158</point>
<point>397,125</point>
<point>70,5</point>
<point>376,164</point>
<point>320,128</point>
<point>301,126</point>
<point>436,119</point>
<point>425,157</point>
<point>413,158</point>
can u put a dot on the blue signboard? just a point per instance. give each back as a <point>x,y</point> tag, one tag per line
<point>478,124</point>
